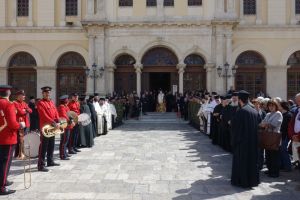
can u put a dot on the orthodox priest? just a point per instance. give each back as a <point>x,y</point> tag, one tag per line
<point>245,171</point>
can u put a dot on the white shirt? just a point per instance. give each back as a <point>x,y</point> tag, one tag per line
<point>297,123</point>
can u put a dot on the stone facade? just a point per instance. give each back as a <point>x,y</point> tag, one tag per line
<point>217,30</point>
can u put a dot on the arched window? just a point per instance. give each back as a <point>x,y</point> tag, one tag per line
<point>71,7</point>
<point>71,74</point>
<point>194,77</point>
<point>251,75</point>
<point>125,76</point>
<point>159,57</point>
<point>125,60</point>
<point>23,8</point>
<point>22,74</point>
<point>249,7</point>
<point>293,75</point>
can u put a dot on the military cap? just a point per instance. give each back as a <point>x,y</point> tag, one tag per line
<point>4,88</point>
<point>63,97</point>
<point>74,94</point>
<point>20,92</point>
<point>46,89</point>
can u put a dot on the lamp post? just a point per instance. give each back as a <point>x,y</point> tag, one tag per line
<point>94,73</point>
<point>225,72</point>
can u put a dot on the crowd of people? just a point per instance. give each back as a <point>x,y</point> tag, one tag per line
<point>77,118</point>
<point>237,123</point>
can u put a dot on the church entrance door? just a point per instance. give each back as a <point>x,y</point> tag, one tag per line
<point>160,81</point>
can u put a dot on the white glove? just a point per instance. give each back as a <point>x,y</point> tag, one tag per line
<point>22,124</point>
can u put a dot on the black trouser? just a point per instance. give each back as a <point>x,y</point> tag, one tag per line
<point>273,162</point>
<point>6,153</point>
<point>73,139</point>
<point>46,146</point>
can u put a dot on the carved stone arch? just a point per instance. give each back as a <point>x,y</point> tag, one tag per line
<point>124,60</point>
<point>254,47</point>
<point>71,59</point>
<point>119,52</point>
<point>250,58</point>
<point>10,52</point>
<point>198,51</point>
<point>68,48</point>
<point>159,56</point>
<point>288,52</point>
<point>160,43</point>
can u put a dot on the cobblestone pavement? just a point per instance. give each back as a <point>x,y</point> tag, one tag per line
<point>148,160</point>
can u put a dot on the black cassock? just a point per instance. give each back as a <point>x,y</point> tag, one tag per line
<point>215,124</point>
<point>86,136</point>
<point>245,171</point>
<point>93,118</point>
<point>225,128</point>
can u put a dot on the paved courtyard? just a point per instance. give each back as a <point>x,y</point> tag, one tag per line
<point>157,158</point>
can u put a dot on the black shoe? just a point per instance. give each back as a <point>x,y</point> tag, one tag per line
<point>266,172</point>
<point>52,164</point>
<point>77,150</point>
<point>68,155</point>
<point>43,169</point>
<point>6,191</point>
<point>72,152</point>
<point>65,158</point>
<point>273,175</point>
<point>8,183</point>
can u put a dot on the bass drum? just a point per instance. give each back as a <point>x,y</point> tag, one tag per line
<point>31,144</point>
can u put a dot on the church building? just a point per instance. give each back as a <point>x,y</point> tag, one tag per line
<point>104,46</point>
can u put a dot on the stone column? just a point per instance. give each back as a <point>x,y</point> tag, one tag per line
<point>30,12</point>
<point>219,59</point>
<point>3,75</point>
<point>111,78</point>
<point>209,72</point>
<point>230,80</point>
<point>99,53</point>
<point>90,81</point>
<point>2,13</point>
<point>14,13</point>
<point>293,12</point>
<point>62,13</point>
<point>242,17</point>
<point>160,8</point>
<point>79,9</point>
<point>46,76</point>
<point>90,8</point>
<point>277,81</point>
<point>101,9</point>
<point>231,8</point>
<point>258,12</point>
<point>138,69</point>
<point>181,68</point>
<point>219,9</point>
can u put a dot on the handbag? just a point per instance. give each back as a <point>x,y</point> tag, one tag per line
<point>269,140</point>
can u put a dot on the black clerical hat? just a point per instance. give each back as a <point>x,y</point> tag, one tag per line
<point>243,94</point>
<point>82,97</point>
<point>217,96</point>
<point>222,97</point>
<point>235,94</point>
<point>228,96</point>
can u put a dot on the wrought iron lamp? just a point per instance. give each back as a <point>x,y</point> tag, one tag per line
<point>94,73</point>
<point>225,72</point>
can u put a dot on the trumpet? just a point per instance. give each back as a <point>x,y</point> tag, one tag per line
<point>51,131</point>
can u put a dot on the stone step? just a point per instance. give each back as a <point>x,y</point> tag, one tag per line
<point>157,118</point>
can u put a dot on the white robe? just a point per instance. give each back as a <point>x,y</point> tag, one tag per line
<point>101,112</point>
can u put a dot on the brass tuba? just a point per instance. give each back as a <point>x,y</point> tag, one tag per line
<point>50,131</point>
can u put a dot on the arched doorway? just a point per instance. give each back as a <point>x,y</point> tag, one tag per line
<point>293,75</point>
<point>159,70</point>
<point>251,73</point>
<point>194,77</point>
<point>125,76</point>
<point>22,73</point>
<point>71,75</point>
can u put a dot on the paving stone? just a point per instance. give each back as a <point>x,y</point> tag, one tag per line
<point>148,160</point>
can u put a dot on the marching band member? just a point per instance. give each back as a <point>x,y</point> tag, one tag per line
<point>74,106</point>
<point>48,115</point>
<point>23,112</point>
<point>63,110</point>
<point>8,130</point>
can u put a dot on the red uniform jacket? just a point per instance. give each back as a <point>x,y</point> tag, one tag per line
<point>9,134</point>
<point>62,112</point>
<point>74,106</point>
<point>23,112</point>
<point>47,112</point>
